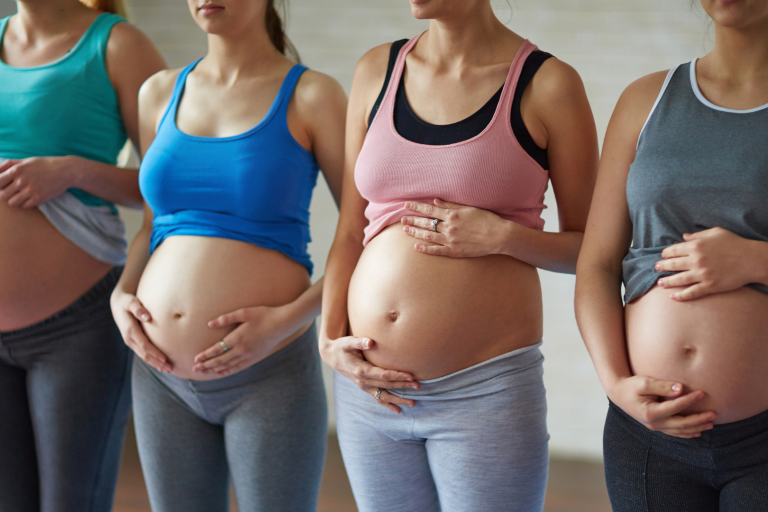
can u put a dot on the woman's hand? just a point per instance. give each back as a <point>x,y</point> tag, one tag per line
<point>462,231</point>
<point>710,261</point>
<point>31,182</point>
<point>345,355</point>
<point>259,330</point>
<point>128,313</point>
<point>657,405</point>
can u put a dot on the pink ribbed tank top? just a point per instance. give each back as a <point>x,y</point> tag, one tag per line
<point>489,171</point>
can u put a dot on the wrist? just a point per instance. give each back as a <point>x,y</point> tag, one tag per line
<point>71,167</point>
<point>759,251</point>
<point>506,234</point>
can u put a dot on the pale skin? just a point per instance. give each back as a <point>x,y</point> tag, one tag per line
<point>228,93</point>
<point>42,32</point>
<point>456,66</point>
<point>733,75</point>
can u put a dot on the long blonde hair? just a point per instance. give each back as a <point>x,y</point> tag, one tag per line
<point>113,6</point>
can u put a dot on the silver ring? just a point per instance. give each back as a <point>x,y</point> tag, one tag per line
<point>224,347</point>
<point>377,395</point>
<point>434,224</point>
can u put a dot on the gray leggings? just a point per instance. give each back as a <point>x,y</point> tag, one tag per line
<point>476,441</point>
<point>64,402</point>
<point>266,427</point>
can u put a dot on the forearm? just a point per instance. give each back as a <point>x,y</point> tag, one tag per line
<point>306,307</point>
<point>556,252</point>
<point>760,255</point>
<point>106,181</point>
<point>600,316</point>
<point>342,261</point>
<point>138,256</point>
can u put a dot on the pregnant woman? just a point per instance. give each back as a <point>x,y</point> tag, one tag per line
<point>684,178</point>
<point>216,299</point>
<point>439,394</point>
<point>69,80</point>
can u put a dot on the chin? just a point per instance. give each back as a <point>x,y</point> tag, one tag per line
<point>436,9</point>
<point>737,14</point>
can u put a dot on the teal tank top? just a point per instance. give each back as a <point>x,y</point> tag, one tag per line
<point>66,107</point>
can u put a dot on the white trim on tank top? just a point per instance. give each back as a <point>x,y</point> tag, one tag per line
<point>656,103</point>
<point>705,101</point>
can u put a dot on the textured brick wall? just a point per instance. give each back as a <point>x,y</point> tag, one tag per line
<point>610,42</point>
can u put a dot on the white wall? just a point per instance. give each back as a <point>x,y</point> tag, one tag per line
<point>610,43</point>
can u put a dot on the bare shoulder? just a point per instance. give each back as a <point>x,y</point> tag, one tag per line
<point>637,100</point>
<point>315,89</point>
<point>127,39</point>
<point>556,81</point>
<point>372,66</point>
<point>155,92</point>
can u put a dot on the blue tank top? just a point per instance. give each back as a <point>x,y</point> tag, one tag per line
<point>66,107</point>
<point>254,187</point>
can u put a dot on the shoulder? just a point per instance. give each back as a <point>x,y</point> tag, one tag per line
<point>156,91</point>
<point>637,100</point>
<point>126,39</point>
<point>371,69</point>
<point>556,81</point>
<point>315,88</point>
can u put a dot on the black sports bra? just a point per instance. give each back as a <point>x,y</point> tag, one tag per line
<point>413,128</point>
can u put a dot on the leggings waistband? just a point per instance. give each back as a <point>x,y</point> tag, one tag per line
<point>480,379</point>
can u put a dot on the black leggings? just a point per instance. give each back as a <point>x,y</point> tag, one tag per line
<point>724,470</point>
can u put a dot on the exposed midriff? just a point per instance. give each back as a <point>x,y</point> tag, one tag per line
<point>717,344</point>
<point>435,315</point>
<point>42,271</point>
<point>190,280</point>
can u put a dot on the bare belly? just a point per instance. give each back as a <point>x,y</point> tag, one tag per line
<point>191,280</point>
<point>717,344</point>
<point>42,272</point>
<point>433,315</point>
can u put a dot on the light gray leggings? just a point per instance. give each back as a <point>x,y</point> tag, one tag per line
<point>476,441</point>
<point>266,427</point>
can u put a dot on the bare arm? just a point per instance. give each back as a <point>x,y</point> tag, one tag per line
<point>342,352</point>
<point>599,307</point>
<point>557,104</point>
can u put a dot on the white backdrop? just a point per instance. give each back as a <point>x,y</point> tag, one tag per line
<point>610,42</point>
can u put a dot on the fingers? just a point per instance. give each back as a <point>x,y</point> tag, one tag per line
<point>149,353</point>
<point>427,209</point>
<point>389,384</point>
<point>676,250</point>
<point>682,279</point>
<point>209,353</point>
<point>235,317</point>
<point>19,198</point>
<point>689,423</point>
<point>675,264</point>
<point>218,362</point>
<point>445,204</point>
<point>389,400</point>
<point>420,222</point>
<point>352,343</point>
<point>655,387</point>
<point>659,410</point>
<point>139,312</point>
<point>435,250</point>
<point>426,234</point>
<point>5,165</point>
<point>10,190</point>
<point>692,292</point>
<point>6,175</point>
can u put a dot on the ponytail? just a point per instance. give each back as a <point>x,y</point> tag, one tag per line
<point>276,32</point>
<point>113,6</point>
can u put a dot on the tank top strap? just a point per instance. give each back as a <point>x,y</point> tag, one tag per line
<point>3,24</point>
<point>286,90</point>
<point>388,104</point>
<point>96,37</point>
<point>510,85</point>
<point>178,88</point>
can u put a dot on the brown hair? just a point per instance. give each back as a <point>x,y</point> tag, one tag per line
<point>276,31</point>
<point>113,6</point>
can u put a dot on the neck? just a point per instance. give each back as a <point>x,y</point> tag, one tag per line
<point>47,17</point>
<point>248,53</point>
<point>467,37</point>
<point>739,54</point>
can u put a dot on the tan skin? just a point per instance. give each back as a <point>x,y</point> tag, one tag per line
<point>44,270</point>
<point>713,265</point>
<point>228,93</point>
<point>456,66</point>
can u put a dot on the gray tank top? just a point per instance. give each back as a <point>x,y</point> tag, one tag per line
<point>698,166</point>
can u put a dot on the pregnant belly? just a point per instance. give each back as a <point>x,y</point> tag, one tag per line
<point>191,280</point>
<point>42,272</point>
<point>717,344</point>
<point>433,315</point>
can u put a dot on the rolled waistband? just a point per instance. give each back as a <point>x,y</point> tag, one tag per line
<point>480,379</point>
<point>99,291</point>
<point>305,343</point>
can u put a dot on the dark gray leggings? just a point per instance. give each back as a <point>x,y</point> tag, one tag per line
<point>265,427</point>
<point>724,470</point>
<point>64,403</point>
